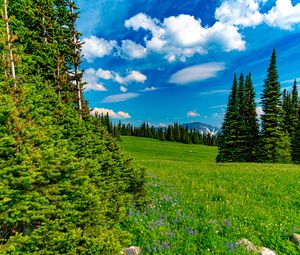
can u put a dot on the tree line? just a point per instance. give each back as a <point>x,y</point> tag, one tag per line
<point>65,185</point>
<point>173,133</point>
<point>276,138</point>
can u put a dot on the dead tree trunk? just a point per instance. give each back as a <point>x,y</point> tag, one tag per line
<point>9,43</point>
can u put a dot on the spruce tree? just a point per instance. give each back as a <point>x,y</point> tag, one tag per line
<point>242,146</point>
<point>288,125</point>
<point>274,142</point>
<point>251,120</point>
<point>228,138</point>
<point>294,109</point>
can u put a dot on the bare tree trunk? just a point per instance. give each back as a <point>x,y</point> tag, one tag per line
<point>11,57</point>
<point>76,66</point>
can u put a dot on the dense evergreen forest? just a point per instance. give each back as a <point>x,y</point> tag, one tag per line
<point>65,185</point>
<point>173,133</point>
<point>276,139</point>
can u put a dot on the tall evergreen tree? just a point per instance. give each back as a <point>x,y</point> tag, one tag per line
<point>274,143</point>
<point>295,117</point>
<point>242,145</point>
<point>287,112</point>
<point>250,119</point>
<point>228,138</point>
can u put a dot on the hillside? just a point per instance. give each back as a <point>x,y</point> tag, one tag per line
<point>200,207</point>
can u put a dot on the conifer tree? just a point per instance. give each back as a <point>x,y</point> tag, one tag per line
<point>287,112</point>
<point>250,119</point>
<point>242,145</point>
<point>228,138</point>
<point>274,143</point>
<point>295,118</point>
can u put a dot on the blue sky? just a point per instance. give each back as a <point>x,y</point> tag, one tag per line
<point>166,61</point>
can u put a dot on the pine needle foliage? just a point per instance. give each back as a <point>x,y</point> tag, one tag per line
<point>65,185</point>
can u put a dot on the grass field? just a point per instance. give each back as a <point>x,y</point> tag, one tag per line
<point>200,207</point>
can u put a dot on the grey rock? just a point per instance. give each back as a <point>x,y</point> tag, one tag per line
<point>250,247</point>
<point>132,250</point>
<point>296,239</point>
<point>266,251</point>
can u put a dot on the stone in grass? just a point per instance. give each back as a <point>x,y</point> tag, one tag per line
<point>266,251</point>
<point>251,248</point>
<point>132,250</point>
<point>296,239</point>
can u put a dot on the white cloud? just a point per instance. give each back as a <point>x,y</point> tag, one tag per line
<point>226,36</point>
<point>133,76</point>
<point>243,13</point>
<point>132,50</point>
<point>104,74</point>
<point>213,92</point>
<point>90,77</point>
<point>181,37</point>
<point>284,15</point>
<point>184,30</point>
<point>150,89</point>
<point>193,114</point>
<point>120,97</point>
<point>111,113</point>
<point>142,21</point>
<point>95,47</point>
<point>197,73</point>
<point>123,89</point>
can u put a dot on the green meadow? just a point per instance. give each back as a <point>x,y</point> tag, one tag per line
<point>196,206</point>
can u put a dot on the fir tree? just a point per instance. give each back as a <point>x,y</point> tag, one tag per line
<point>274,143</point>
<point>251,120</point>
<point>287,112</point>
<point>294,109</point>
<point>242,145</point>
<point>228,138</point>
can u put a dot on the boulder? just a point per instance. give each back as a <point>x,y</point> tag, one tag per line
<point>296,239</point>
<point>266,251</point>
<point>132,250</point>
<point>251,248</point>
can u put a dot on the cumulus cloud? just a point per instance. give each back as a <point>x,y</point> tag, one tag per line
<point>197,73</point>
<point>120,97</point>
<point>226,36</point>
<point>243,13</point>
<point>183,36</point>
<point>284,15</point>
<point>193,114</point>
<point>104,74</point>
<point>91,79</point>
<point>92,76</point>
<point>111,113</point>
<point>133,76</point>
<point>132,50</point>
<point>184,30</point>
<point>95,47</point>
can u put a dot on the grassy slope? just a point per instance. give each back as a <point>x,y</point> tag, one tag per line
<point>201,207</point>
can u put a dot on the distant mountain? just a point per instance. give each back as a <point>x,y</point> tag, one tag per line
<point>202,128</point>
